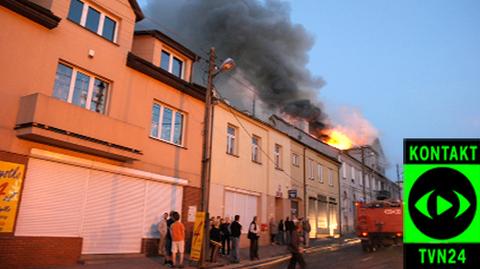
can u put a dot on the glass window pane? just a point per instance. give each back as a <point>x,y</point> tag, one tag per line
<point>62,82</point>
<point>99,96</point>
<point>75,12</point>
<point>177,67</point>
<point>93,18</point>
<point>167,124</point>
<point>165,60</point>
<point>155,120</point>
<point>109,28</point>
<point>231,130</point>
<point>178,129</point>
<point>80,90</point>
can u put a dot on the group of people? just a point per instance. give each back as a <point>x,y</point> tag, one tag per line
<point>172,239</point>
<point>281,232</point>
<point>224,238</point>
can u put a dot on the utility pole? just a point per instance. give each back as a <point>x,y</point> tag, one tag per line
<point>362,148</point>
<point>207,152</point>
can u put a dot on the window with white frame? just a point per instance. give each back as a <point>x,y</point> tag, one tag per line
<point>167,124</point>
<point>92,19</point>
<point>231,140</point>
<point>330,177</point>
<point>80,88</point>
<point>320,172</point>
<point>277,154</point>
<point>367,181</point>
<point>295,159</point>
<point>344,170</point>
<point>256,144</point>
<point>359,177</point>
<point>352,170</point>
<point>171,63</point>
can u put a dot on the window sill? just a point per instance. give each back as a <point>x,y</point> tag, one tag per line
<point>233,155</point>
<point>296,165</point>
<point>257,162</point>
<point>278,168</point>
<point>102,37</point>
<point>167,142</point>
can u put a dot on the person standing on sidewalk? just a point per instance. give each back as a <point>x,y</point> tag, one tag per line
<point>253,235</point>
<point>178,240</point>
<point>162,229</point>
<point>295,249</point>
<point>306,232</point>
<point>289,228</point>
<point>225,229</point>
<point>272,226</point>
<point>235,232</point>
<point>215,240</point>
<point>168,241</point>
<point>281,233</point>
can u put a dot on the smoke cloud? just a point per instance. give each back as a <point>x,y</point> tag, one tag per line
<point>269,49</point>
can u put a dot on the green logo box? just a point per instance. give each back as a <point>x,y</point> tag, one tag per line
<point>441,211</point>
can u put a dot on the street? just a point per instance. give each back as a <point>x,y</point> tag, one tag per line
<point>352,257</point>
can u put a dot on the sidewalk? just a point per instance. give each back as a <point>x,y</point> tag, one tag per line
<point>266,253</point>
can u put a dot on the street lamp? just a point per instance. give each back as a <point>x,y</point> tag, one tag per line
<point>213,71</point>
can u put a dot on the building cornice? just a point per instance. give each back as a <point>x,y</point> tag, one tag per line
<point>32,11</point>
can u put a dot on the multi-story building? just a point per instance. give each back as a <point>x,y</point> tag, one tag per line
<point>250,173</point>
<point>319,180</point>
<point>105,124</point>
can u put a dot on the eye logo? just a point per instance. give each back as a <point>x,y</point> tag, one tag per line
<point>442,203</point>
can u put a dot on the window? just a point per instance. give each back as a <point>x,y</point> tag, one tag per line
<point>367,182</point>
<point>330,177</point>
<point>167,124</point>
<point>320,172</point>
<point>295,159</point>
<point>310,169</point>
<point>92,19</point>
<point>171,64</point>
<point>255,149</point>
<point>344,170</point>
<point>231,140</point>
<point>352,170</point>
<point>278,156</point>
<point>359,178</point>
<point>79,88</point>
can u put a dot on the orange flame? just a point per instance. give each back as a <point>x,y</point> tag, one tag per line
<point>338,139</point>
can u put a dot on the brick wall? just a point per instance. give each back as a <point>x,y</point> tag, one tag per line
<point>38,252</point>
<point>191,197</point>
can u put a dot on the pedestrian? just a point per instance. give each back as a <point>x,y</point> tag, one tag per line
<point>273,230</point>
<point>178,240</point>
<point>295,249</point>
<point>215,240</point>
<point>225,229</point>
<point>168,241</point>
<point>281,232</point>
<point>162,229</point>
<point>306,232</point>
<point>289,227</point>
<point>254,235</point>
<point>235,232</point>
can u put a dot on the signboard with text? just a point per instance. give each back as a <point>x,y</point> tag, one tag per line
<point>11,178</point>
<point>197,240</point>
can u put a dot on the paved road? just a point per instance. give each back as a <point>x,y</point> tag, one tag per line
<point>352,257</point>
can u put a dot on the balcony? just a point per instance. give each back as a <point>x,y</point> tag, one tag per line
<point>48,120</point>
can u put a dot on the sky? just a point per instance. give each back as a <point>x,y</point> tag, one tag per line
<point>411,67</point>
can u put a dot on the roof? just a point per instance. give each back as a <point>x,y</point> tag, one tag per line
<point>169,41</point>
<point>137,10</point>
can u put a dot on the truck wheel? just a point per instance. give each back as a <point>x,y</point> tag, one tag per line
<point>365,245</point>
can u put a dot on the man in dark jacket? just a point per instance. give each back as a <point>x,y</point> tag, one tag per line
<point>225,230</point>
<point>295,249</point>
<point>289,228</point>
<point>235,232</point>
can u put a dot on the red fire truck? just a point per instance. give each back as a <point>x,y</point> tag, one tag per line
<point>379,222</point>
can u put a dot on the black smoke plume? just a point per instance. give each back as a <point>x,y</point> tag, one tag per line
<point>269,49</point>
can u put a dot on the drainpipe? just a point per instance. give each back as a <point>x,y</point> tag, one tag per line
<point>304,182</point>
<point>339,200</point>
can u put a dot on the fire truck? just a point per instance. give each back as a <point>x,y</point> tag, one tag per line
<point>380,222</point>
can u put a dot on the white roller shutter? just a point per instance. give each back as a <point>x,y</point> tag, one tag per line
<point>113,215</point>
<point>52,200</point>
<point>160,198</point>
<point>243,205</point>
